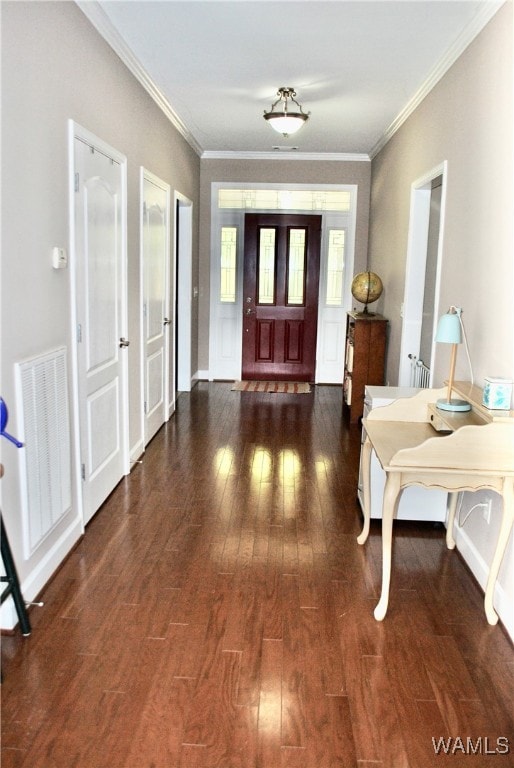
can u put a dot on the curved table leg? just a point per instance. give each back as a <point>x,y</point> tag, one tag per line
<point>391,496</point>
<point>366,488</point>
<point>450,540</point>
<point>503,537</point>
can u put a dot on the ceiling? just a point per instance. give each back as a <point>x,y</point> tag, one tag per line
<point>360,67</point>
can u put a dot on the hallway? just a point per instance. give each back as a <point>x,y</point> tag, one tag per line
<point>218,613</point>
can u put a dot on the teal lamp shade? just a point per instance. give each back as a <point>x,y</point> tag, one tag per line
<point>449,331</point>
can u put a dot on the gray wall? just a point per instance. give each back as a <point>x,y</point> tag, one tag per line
<point>467,121</point>
<point>55,66</point>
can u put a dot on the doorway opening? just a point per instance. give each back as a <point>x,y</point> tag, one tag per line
<point>183,292</point>
<point>422,278</point>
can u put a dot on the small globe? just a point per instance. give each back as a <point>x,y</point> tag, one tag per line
<point>366,288</point>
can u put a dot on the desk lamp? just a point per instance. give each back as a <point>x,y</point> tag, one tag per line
<point>449,332</point>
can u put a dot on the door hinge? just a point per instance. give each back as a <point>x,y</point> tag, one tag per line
<point>144,208</point>
<point>79,333</point>
<point>77,183</point>
<point>83,471</point>
<point>144,406</point>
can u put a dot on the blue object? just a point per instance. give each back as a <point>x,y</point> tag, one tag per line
<point>4,417</point>
<point>497,393</point>
<point>448,329</point>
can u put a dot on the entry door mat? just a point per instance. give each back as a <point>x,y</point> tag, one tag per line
<point>273,387</point>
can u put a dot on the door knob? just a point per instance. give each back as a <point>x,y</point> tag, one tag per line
<point>124,342</point>
<point>166,321</point>
<point>248,311</point>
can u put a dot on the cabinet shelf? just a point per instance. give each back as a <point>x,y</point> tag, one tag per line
<point>364,359</point>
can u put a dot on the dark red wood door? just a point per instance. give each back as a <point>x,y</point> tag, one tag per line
<point>280,296</point>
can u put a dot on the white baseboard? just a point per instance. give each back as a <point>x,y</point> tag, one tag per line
<point>42,573</point>
<point>137,451</point>
<point>503,604</point>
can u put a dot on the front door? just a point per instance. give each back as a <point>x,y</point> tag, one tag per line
<point>280,296</point>
<point>100,290</point>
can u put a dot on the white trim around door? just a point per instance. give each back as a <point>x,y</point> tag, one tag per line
<point>412,309</point>
<point>100,402</point>
<point>157,327</point>
<point>225,326</point>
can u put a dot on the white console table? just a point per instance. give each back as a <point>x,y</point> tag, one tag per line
<point>417,444</point>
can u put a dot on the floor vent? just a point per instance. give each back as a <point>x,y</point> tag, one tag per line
<point>44,426</point>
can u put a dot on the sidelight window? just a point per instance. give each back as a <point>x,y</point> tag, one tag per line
<point>266,272</point>
<point>335,267</point>
<point>228,265</point>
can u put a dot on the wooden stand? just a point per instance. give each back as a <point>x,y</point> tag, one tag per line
<point>364,359</point>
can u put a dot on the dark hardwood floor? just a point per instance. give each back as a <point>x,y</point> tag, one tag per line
<point>218,613</point>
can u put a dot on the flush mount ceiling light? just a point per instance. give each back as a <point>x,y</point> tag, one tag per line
<point>286,115</point>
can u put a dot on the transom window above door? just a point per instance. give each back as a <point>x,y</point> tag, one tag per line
<point>286,199</point>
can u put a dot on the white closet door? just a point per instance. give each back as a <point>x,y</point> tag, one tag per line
<point>100,291</point>
<point>157,322</point>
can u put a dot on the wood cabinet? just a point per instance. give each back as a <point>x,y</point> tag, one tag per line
<point>364,359</point>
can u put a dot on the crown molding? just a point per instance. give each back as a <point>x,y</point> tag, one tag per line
<point>99,19</point>
<point>101,22</point>
<point>293,155</point>
<point>483,16</point>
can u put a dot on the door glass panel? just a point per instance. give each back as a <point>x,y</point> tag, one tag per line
<point>296,267</point>
<point>335,268</point>
<point>266,270</point>
<point>228,264</point>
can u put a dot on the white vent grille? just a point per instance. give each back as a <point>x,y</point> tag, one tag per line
<point>45,471</point>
